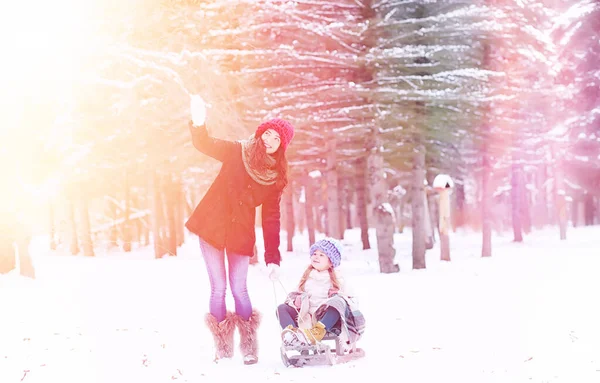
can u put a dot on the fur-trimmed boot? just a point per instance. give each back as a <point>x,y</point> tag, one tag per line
<point>248,336</point>
<point>223,334</point>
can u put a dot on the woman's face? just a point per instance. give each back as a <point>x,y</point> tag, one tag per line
<point>320,261</point>
<point>271,140</point>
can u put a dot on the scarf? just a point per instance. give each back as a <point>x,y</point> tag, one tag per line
<point>264,176</point>
<point>352,321</point>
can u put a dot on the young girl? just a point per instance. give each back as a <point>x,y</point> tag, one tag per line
<point>322,304</point>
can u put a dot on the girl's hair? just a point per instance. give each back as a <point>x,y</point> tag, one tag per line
<point>332,276</point>
<point>258,160</point>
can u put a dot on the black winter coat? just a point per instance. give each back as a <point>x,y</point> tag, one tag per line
<point>225,217</point>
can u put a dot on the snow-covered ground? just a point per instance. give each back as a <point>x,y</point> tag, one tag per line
<point>530,313</point>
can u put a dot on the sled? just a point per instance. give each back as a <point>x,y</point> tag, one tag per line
<point>319,354</point>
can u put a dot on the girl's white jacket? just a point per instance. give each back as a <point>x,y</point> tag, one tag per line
<point>316,293</point>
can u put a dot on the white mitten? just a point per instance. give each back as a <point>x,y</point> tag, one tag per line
<point>273,271</point>
<point>198,109</point>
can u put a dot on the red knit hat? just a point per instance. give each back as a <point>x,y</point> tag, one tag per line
<point>283,127</point>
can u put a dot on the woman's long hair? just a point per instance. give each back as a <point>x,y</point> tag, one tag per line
<point>258,160</point>
<point>281,165</point>
<point>332,276</point>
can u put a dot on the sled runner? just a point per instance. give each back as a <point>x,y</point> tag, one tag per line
<point>319,354</point>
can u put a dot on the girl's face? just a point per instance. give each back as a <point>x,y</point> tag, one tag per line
<point>271,140</point>
<point>320,261</point>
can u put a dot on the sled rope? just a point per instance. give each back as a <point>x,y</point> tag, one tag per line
<point>275,297</point>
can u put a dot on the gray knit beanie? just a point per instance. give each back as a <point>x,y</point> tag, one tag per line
<point>330,246</point>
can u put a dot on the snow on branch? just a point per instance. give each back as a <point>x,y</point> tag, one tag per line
<point>473,11</point>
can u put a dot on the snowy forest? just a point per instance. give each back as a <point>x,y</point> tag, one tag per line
<point>502,96</point>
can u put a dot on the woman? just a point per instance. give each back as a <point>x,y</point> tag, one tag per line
<point>253,173</point>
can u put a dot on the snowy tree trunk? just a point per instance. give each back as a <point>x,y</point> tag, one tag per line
<point>137,232</point>
<point>52,226</point>
<point>419,216</point>
<point>541,203</point>
<point>86,235</point>
<point>404,206</point>
<point>318,208</point>
<point>309,208</point>
<point>299,216</point>
<point>459,212</point>
<point>7,250</point>
<point>342,208</point>
<point>486,165</point>
<point>444,224</point>
<point>577,210</point>
<point>361,201</point>
<point>15,235</point>
<point>113,235</point>
<point>581,209</point>
<point>126,214</point>
<point>333,206</point>
<point>515,198</point>
<point>559,198</point>
<point>74,245</point>
<point>400,218</point>
<point>385,227</point>
<point>525,203</point>
<point>145,227</point>
<point>156,214</point>
<point>588,209</point>
<point>429,224</point>
<point>289,215</point>
<point>180,213</point>
<point>383,214</point>
<point>486,201</point>
<point>26,268</point>
<point>170,206</point>
<point>348,199</point>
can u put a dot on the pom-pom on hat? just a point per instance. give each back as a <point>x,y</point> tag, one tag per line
<point>330,246</point>
<point>283,127</point>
